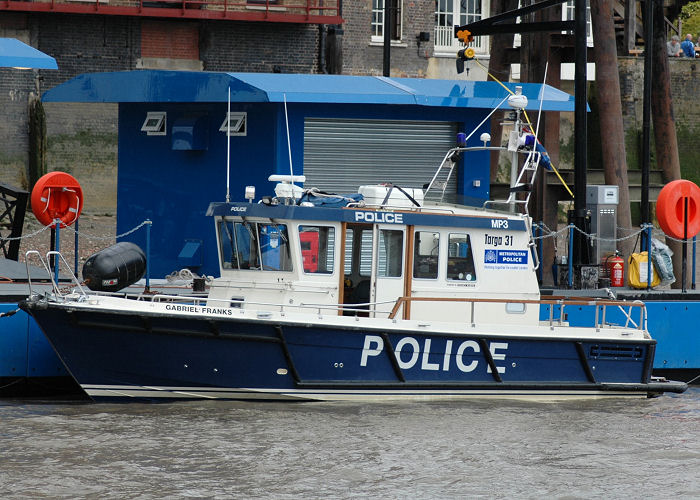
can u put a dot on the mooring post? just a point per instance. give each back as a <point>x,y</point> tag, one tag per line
<point>149,223</point>
<point>649,268</point>
<point>684,263</point>
<point>692,279</point>
<point>75,246</point>
<point>57,246</point>
<point>570,260</point>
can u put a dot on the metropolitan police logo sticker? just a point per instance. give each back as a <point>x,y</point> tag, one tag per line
<point>490,256</point>
<point>505,259</point>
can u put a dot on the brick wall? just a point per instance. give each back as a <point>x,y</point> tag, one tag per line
<point>362,57</point>
<point>171,40</point>
<point>259,47</point>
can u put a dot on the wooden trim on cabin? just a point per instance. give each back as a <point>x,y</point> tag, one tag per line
<point>341,270</point>
<point>408,273</point>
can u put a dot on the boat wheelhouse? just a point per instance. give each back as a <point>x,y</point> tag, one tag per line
<point>359,258</point>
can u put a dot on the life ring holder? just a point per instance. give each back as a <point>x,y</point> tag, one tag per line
<point>57,195</point>
<point>671,208</point>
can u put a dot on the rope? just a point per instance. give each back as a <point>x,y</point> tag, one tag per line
<point>9,313</point>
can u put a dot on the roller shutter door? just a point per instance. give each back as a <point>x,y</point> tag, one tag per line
<point>342,154</point>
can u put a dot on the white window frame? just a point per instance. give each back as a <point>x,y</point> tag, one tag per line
<point>445,42</point>
<point>239,123</point>
<point>377,26</point>
<point>160,127</point>
<point>567,14</point>
<point>567,69</point>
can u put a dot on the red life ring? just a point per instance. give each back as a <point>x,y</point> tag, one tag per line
<point>670,208</point>
<point>57,195</point>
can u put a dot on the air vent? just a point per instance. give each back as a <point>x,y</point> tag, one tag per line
<point>616,351</point>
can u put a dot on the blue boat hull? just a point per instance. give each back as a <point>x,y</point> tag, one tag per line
<point>116,356</point>
<point>672,323</point>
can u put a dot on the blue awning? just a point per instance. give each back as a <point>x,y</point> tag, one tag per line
<point>16,54</point>
<point>151,86</point>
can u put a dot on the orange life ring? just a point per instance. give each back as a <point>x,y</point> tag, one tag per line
<point>670,208</point>
<point>57,195</point>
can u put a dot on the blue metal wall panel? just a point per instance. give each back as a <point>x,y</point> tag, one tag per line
<point>174,188</point>
<point>13,342</point>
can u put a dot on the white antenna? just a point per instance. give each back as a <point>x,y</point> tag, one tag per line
<point>289,146</point>
<point>541,96</point>
<point>228,146</point>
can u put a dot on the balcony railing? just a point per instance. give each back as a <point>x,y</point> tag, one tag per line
<point>280,11</point>
<point>445,41</point>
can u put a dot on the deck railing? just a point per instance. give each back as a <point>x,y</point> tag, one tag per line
<point>401,303</point>
<point>600,305</point>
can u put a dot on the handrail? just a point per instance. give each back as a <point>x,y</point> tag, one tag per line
<point>45,265</point>
<point>600,319</point>
<point>597,303</point>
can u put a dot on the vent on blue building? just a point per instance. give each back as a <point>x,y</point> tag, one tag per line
<point>238,123</point>
<point>155,123</point>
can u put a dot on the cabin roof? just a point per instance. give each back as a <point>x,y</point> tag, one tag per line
<point>289,213</point>
<point>149,86</point>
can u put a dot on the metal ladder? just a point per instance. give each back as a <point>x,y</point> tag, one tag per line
<point>522,184</point>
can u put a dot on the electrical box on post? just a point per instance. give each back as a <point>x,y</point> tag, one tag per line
<point>602,202</point>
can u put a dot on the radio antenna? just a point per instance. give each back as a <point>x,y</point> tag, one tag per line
<point>228,146</point>
<point>289,146</point>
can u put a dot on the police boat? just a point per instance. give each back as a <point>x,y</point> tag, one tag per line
<point>372,296</point>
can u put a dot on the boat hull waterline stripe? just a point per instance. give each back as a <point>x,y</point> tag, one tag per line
<point>121,391</point>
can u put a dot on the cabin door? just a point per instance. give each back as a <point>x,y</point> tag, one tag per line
<point>387,283</point>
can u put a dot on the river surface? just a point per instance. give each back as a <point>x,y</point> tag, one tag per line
<point>480,449</point>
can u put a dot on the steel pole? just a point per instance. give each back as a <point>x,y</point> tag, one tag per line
<point>646,116</point>
<point>580,126</point>
<point>387,37</point>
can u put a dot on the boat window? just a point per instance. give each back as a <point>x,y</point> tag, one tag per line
<point>317,248</point>
<point>390,253</point>
<point>460,262</point>
<point>245,245</point>
<point>274,247</point>
<point>226,244</point>
<point>425,254</point>
<point>366,252</point>
<point>358,246</point>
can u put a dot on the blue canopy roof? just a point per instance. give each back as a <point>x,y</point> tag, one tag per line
<point>190,86</point>
<point>16,54</point>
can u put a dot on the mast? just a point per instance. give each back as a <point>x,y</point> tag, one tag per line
<point>580,125</point>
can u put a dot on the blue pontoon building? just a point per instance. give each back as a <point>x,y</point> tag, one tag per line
<point>344,131</point>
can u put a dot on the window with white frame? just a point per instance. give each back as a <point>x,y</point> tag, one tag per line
<point>451,13</point>
<point>235,123</point>
<point>155,123</point>
<point>396,13</point>
<point>568,14</point>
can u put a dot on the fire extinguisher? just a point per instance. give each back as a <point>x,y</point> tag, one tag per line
<point>616,269</point>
